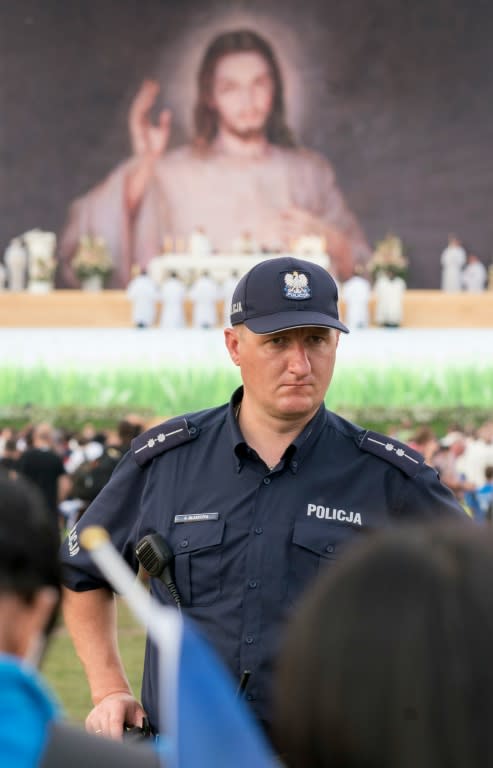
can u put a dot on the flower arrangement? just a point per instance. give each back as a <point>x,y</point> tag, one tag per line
<point>389,256</point>
<point>41,261</point>
<point>91,258</point>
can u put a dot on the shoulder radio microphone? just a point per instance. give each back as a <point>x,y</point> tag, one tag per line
<point>156,556</point>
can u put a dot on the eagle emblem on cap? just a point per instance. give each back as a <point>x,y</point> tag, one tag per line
<point>296,285</point>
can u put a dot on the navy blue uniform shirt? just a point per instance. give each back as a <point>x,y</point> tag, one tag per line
<point>247,540</point>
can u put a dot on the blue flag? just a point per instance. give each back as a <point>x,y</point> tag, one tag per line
<point>207,724</point>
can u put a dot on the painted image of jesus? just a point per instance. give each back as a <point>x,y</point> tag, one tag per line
<point>242,172</point>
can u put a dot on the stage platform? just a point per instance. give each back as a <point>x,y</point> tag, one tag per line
<point>111,309</point>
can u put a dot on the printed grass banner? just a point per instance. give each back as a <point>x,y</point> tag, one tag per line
<point>380,376</point>
<point>170,391</point>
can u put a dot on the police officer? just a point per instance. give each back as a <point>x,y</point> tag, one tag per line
<point>253,497</point>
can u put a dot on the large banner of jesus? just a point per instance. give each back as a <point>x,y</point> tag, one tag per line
<point>257,119</point>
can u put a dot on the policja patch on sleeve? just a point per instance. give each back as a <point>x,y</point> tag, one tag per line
<point>162,438</point>
<point>396,453</point>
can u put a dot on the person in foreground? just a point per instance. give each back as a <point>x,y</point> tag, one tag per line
<point>403,677</point>
<point>253,497</point>
<point>32,732</point>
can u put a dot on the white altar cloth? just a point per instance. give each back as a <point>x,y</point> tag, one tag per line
<point>219,266</point>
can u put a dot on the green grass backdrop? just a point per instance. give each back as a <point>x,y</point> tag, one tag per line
<point>369,395</point>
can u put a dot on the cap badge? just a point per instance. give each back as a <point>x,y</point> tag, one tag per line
<point>296,286</point>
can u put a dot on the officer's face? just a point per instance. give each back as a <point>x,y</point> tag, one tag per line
<point>286,374</point>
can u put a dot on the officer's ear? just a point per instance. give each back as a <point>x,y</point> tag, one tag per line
<point>232,341</point>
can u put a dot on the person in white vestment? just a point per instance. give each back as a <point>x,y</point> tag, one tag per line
<point>389,293</point>
<point>199,244</point>
<point>474,275</point>
<point>452,261</point>
<point>15,258</point>
<point>143,294</point>
<point>173,293</point>
<point>227,289</point>
<point>204,294</point>
<point>356,293</point>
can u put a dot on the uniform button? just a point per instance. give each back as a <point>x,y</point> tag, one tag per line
<point>330,548</point>
<point>184,543</point>
<point>252,584</point>
<point>266,480</point>
<point>249,639</point>
<point>258,531</point>
<point>294,464</point>
<point>192,430</point>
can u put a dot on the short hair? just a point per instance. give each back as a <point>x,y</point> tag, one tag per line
<point>423,435</point>
<point>10,444</point>
<point>29,541</point>
<point>128,430</point>
<point>205,116</point>
<point>388,659</point>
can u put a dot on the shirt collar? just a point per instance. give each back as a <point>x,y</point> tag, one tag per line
<point>295,452</point>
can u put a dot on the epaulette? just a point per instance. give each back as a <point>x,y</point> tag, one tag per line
<point>161,438</point>
<point>393,451</point>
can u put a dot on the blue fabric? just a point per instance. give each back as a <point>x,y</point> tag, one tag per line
<point>26,709</point>
<point>484,496</point>
<point>479,502</point>
<point>471,501</point>
<point>215,728</point>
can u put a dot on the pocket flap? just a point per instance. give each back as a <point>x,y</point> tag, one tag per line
<point>325,539</point>
<point>190,537</point>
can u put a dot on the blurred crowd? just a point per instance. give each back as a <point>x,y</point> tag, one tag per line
<point>71,467</point>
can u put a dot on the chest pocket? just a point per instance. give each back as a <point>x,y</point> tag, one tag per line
<point>197,551</point>
<point>315,544</point>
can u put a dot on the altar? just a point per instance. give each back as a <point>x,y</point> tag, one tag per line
<point>219,266</point>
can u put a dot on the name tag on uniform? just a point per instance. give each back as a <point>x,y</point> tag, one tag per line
<point>198,518</point>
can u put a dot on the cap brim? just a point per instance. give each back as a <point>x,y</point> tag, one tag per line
<point>283,321</point>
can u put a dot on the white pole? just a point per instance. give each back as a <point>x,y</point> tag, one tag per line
<point>164,626</point>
